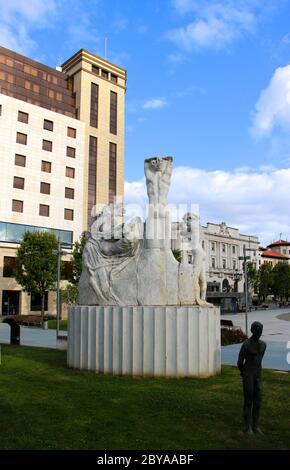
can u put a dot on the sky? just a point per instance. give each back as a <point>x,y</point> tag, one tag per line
<point>208,83</point>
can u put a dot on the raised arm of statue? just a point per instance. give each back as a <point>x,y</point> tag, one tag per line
<point>158,171</point>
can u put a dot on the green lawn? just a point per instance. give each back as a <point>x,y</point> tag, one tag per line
<point>62,325</point>
<point>45,405</point>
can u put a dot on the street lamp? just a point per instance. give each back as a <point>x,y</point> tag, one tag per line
<point>244,258</point>
<point>59,252</point>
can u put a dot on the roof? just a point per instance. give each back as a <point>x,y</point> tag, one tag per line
<point>273,254</point>
<point>279,243</point>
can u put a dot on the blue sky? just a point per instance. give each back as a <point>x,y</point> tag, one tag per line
<point>207,83</point>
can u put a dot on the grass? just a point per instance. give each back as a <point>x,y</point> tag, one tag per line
<point>45,405</point>
<point>284,316</point>
<point>62,325</point>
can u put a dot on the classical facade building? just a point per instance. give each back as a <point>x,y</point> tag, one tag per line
<point>62,153</point>
<point>275,253</point>
<point>223,247</point>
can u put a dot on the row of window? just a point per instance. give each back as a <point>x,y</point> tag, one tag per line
<point>18,183</point>
<point>47,124</point>
<point>20,160</point>
<point>9,267</point>
<point>94,108</point>
<point>13,233</point>
<point>46,145</point>
<point>223,248</point>
<point>29,69</point>
<point>104,73</point>
<point>44,210</point>
<point>224,263</point>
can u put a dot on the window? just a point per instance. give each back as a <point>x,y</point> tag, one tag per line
<point>20,160</point>
<point>18,183</point>
<point>67,270</point>
<point>202,244</point>
<point>69,214</point>
<point>43,210</point>
<point>113,113</point>
<point>47,145</point>
<point>70,172</point>
<point>21,138</point>
<point>92,181</point>
<point>9,266</point>
<point>95,69</point>
<point>70,152</point>
<point>17,206</point>
<point>223,248</point>
<point>45,188</point>
<point>0,109</point>
<point>212,246</point>
<point>22,117</point>
<point>105,74</point>
<point>35,302</point>
<point>94,105</point>
<point>112,171</point>
<point>48,125</point>
<point>213,262</point>
<point>69,193</point>
<point>234,264</point>
<point>45,166</point>
<point>234,250</point>
<point>71,132</point>
<point>224,263</point>
<point>114,78</point>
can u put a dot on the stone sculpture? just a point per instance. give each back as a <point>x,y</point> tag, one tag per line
<point>132,263</point>
<point>250,366</point>
<point>195,265</point>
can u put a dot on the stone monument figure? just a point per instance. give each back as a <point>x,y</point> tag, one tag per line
<point>158,171</point>
<point>196,267</point>
<point>250,366</point>
<point>140,312</point>
<point>132,263</point>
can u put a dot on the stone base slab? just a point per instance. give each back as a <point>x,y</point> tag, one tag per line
<point>157,341</point>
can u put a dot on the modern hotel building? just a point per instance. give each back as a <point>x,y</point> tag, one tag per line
<point>62,153</point>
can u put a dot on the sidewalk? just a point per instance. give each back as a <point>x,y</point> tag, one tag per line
<point>31,336</point>
<point>275,355</point>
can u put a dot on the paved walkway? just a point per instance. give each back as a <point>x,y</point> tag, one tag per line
<point>275,329</point>
<point>31,336</point>
<point>275,355</point>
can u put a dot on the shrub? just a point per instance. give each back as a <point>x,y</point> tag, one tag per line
<point>232,336</point>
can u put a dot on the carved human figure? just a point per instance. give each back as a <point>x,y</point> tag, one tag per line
<point>158,171</point>
<point>191,232</point>
<point>250,366</point>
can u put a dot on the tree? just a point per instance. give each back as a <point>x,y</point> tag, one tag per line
<point>36,264</point>
<point>281,280</point>
<point>70,293</point>
<point>253,276</point>
<point>177,255</point>
<point>265,281</point>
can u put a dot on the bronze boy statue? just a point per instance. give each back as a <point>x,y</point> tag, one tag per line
<point>250,365</point>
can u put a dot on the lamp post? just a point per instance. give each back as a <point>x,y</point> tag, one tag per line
<point>244,258</point>
<point>59,252</point>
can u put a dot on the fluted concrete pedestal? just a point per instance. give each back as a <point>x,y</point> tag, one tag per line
<point>145,341</point>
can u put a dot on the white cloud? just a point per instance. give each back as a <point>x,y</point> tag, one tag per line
<point>250,200</point>
<point>216,24</point>
<point>273,107</point>
<point>155,103</point>
<point>17,16</point>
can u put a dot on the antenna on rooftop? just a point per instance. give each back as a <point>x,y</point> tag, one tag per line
<point>280,235</point>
